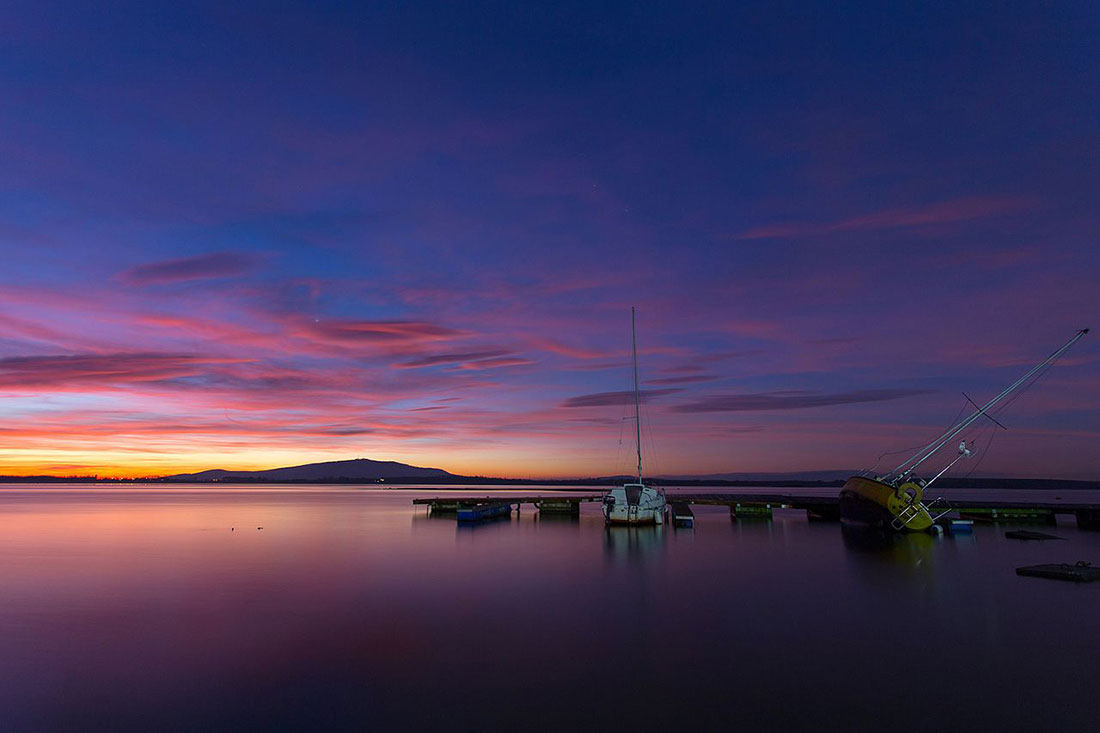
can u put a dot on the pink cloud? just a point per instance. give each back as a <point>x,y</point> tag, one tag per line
<point>604,399</point>
<point>61,372</point>
<point>441,359</point>
<point>21,328</point>
<point>557,347</point>
<point>792,400</point>
<point>684,379</point>
<point>347,332</point>
<point>199,267</point>
<point>944,212</point>
<point>497,363</point>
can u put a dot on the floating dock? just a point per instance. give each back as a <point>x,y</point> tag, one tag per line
<point>750,506</point>
<point>682,516</point>
<point>958,526</point>
<point>760,506</point>
<point>1016,515</point>
<point>484,511</point>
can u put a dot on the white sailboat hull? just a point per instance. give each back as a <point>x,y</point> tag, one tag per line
<point>634,504</point>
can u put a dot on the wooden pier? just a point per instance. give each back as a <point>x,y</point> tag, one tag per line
<point>475,508</point>
<point>761,506</point>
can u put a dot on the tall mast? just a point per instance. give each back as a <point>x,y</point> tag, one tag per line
<point>637,396</point>
<point>927,451</point>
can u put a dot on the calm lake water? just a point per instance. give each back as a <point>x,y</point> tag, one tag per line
<point>167,608</point>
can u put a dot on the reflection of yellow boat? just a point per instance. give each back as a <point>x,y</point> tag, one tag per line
<point>913,551</point>
<point>895,501</point>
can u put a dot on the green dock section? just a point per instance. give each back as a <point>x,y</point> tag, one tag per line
<point>1035,515</point>
<point>751,510</point>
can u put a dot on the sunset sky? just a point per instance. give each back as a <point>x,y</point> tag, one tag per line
<point>252,235</point>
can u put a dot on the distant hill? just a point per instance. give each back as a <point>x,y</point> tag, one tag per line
<point>359,469</point>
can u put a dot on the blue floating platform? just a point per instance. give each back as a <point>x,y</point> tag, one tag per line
<point>483,511</point>
<point>682,516</point>
<point>961,526</point>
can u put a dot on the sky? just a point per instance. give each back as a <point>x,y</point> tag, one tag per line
<point>248,235</point>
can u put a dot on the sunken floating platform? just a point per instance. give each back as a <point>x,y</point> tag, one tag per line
<point>1027,534</point>
<point>1081,572</point>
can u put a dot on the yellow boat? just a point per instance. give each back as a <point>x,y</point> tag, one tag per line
<point>895,501</point>
<point>870,502</point>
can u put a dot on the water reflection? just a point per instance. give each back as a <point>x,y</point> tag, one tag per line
<point>752,526</point>
<point>633,544</point>
<point>353,609</point>
<point>427,515</point>
<point>482,523</point>
<point>557,518</point>
<point>910,550</point>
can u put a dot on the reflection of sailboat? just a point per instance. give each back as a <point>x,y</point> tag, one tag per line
<point>633,543</point>
<point>635,503</point>
<point>895,501</point>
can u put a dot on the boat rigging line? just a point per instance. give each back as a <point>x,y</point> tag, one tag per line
<point>906,468</point>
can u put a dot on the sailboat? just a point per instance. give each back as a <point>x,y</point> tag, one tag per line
<point>635,503</point>
<point>895,500</point>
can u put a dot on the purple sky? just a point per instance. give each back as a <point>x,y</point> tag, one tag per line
<point>245,237</point>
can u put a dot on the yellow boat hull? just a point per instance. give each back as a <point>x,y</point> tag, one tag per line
<point>872,503</point>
